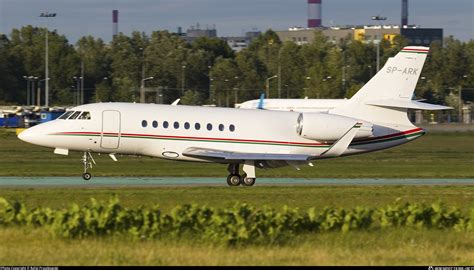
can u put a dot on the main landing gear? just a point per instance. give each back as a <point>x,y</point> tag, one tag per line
<point>87,160</point>
<point>247,179</point>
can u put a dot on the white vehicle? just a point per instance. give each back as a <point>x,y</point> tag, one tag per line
<point>374,119</point>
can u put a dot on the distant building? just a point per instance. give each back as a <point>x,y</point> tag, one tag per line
<point>235,43</point>
<point>239,43</point>
<point>366,34</point>
<point>195,32</point>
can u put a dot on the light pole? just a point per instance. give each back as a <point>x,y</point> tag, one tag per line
<point>27,89</point>
<point>38,94</point>
<point>142,84</point>
<point>142,88</point>
<point>30,89</point>
<point>82,82</point>
<point>227,102</point>
<point>236,89</point>
<point>460,98</point>
<point>323,80</point>
<point>344,80</point>
<point>183,74</point>
<point>78,90</point>
<point>378,18</point>
<point>46,69</point>
<point>210,82</point>
<point>267,84</point>
<point>33,80</point>
<point>279,72</point>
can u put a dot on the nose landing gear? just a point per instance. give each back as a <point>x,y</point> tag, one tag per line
<point>87,160</point>
<point>86,176</point>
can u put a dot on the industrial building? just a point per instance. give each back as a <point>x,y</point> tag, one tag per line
<point>365,33</point>
<point>237,43</point>
<point>414,34</point>
<point>195,32</point>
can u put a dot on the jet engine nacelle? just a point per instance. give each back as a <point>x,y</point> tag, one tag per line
<point>329,127</point>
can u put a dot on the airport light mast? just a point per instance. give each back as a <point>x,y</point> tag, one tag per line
<point>46,72</point>
<point>379,18</point>
<point>267,84</point>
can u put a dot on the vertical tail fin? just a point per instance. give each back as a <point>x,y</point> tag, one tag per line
<point>394,84</point>
<point>260,102</point>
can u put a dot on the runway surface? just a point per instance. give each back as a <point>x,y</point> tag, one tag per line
<point>195,181</point>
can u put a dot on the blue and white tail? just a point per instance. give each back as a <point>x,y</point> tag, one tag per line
<point>387,96</point>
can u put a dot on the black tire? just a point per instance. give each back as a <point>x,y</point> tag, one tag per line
<point>248,182</point>
<point>87,176</point>
<point>234,180</point>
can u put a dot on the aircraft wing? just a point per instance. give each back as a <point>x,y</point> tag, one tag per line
<point>335,150</point>
<point>213,154</point>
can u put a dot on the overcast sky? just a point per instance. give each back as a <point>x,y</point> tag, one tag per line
<point>231,17</point>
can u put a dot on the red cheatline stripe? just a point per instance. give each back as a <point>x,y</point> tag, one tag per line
<point>390,136</point>
<point>240,140</point>
<point>416,50</point>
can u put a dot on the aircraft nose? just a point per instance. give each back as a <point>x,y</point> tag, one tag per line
<point>35,135</point>
<point>26,135</point>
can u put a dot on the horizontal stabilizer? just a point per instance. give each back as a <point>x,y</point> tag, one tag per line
<point>407,104</point>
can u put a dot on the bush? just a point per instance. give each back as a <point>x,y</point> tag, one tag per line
<point>241,224</point>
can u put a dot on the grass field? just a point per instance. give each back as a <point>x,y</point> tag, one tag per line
<point>397,247</point>
<point>442,155</point>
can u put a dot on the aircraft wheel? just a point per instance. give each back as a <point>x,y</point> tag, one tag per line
<point>248,182</point>
<point>87,176</point>
<point>234,180</point>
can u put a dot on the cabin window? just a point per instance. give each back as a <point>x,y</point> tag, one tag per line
<point>155,124</point>
<point>221,127</point>
<point>85,116</point>
<point>187,125</point>
<point>197,126</point>
<point>232,128</point>
<point>166,124</point>
<point>144,123</point>
<point>74,115</point>
<point>66,115</point>
<point>209,126</point>
<point>176,125</point>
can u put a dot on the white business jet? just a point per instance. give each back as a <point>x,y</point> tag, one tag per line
<point>374,119</point>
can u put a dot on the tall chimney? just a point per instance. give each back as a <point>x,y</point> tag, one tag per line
<point>115,22</point>
<point>404,13</point>
<point>314,13</point>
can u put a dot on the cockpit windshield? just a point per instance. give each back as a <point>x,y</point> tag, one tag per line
<point>85,116</point>
<point>72,115</point>
<point>66,115</point>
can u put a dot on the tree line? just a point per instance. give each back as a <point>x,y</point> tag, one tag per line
<point>209,72</point>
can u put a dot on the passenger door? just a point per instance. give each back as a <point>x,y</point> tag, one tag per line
<point>110,135</point>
